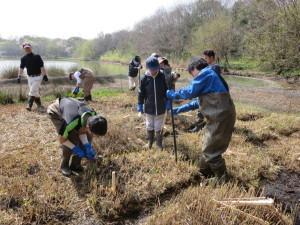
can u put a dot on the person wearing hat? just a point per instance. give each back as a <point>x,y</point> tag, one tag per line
<point>75,123</point>
<point>35,68</point>
<point>156,55</point>
<point>171,77</point>
<point>218,109</point>
<point>86,79</point>
<point>134,67</point>
<point>153,102</point>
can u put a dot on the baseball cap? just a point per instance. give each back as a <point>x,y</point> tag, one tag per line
<point>26,45</point>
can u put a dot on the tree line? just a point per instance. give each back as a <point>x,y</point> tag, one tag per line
<point>266,31</point>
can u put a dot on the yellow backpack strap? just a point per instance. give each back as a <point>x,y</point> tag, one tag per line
<point>83,119</point>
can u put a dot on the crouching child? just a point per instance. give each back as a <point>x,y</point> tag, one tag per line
<point>75,124</point>
<point>153,102</point>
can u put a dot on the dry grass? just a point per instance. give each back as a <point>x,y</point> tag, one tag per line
<point>9,72</point>
<point>32,191</point>
<point>198,205</point>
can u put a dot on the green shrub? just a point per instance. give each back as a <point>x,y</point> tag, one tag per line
<point>6,98</point>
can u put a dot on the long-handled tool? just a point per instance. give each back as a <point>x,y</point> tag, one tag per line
<point>20,91</point>
<point>139,78</point>
<point>174,132</point>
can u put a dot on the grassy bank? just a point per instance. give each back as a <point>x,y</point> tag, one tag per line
<point>117,56</point>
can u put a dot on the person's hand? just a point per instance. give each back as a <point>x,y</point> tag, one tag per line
<point>78,151</point>
<point>171,94</point>
<point>76,91</point>
<point>19,79</point>
<point>45,78</point>
<point>140,108</point>
<point>90,152</point>
<point>176,111</point>
<point>140,115</point>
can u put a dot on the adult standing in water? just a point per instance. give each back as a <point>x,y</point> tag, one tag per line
<point>35,68</point>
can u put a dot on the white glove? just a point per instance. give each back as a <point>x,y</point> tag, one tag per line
<point>140,115</point>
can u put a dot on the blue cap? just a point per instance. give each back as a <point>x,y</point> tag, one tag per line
<point>152,63</point>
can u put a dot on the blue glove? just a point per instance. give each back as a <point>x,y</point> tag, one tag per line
<point>176,111</point>
<point>168,105</point>
<point>171,94</point>
<point>78,151</point>
<point>140,108</point>
<point>76,90</point>
<point>90,152</point>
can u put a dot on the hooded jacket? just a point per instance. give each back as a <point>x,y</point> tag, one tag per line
<point>152,94</point>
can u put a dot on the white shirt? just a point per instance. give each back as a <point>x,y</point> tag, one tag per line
<point>77,77</point>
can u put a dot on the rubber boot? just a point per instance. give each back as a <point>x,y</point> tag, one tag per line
<point>218,167</point>
<point>76,164</point>
<point>64,167</point>
<point>88,98</point>
<point>159,140</point>
<point>150,136</point>
<point>38,102</point>
<point>204,168</point>
<point>30,102</point>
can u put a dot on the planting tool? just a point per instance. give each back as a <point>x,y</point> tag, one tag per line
<point>174,133</point>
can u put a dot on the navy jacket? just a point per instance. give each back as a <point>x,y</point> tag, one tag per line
<point>152,94</point>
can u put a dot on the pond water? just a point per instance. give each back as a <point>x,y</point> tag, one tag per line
<point>110,69</point>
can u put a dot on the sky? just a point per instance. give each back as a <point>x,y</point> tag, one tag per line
<point>67,18</point>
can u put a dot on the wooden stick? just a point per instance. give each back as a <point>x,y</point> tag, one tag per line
<point>259,220</point>
<point>249,201</point>
<point>113,182</point>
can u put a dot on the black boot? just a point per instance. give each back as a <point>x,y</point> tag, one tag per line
<point>64,167</point>
<point>204,168</point>
<point>218,167</point>
<point>88,98</point>
<point>159,140</point>
<point>38,102</point>
<point>30,102</point>
<point>150,136</point>
<point>76,164</point>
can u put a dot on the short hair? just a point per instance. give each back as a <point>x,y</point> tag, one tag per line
<point>209,53</point>
<point>137,58</point>
<point>98,125</point>
<point>198,64</point>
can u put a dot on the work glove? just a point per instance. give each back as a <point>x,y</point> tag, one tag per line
<point>76,91</point>
<point>90,152</point>
<point>140,108</point>
<point>45,78</point>
<point>171,94</point>
<point>168,104</point>
<point>176,111</point>
<point>78,151</point>
<point>19,79</point>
